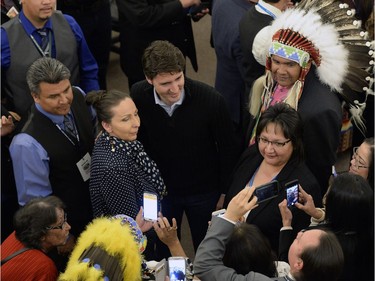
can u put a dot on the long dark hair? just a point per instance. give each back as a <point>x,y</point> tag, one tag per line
<point>350,215</point>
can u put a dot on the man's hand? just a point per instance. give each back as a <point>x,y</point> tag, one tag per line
<point>306,204</point>
<point>286,214</point>
<point>241,204</point>
<point>7,125</point>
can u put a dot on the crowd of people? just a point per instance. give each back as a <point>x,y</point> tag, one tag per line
<point>72,147</point>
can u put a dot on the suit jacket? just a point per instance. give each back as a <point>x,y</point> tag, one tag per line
<point>251,23</point>
<point>267,215</point>
<point>208,264</point>
<point>229,81</point>
<point>144,21</point>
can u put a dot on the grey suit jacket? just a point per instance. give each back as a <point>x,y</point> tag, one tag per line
<point>208,264</point>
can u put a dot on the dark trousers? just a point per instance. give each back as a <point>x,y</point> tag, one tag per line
<point>198,209</point>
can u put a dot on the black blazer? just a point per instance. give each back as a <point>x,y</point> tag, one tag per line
<point>267,215</point>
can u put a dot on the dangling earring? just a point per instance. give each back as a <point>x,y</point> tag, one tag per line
<point>113,145</point>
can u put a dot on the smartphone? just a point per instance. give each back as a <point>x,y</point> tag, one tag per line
<point>161,270</point>
<point>198,8</point>
<point>177,268</point>
<point>267,191</point>
<point>150,206</point>
<point>218,212</point>
<point>292,192</point>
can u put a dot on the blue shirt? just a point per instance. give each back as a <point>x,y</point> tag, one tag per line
<point>31,162</point>
<point>169,108</point>
<point>88,67</point>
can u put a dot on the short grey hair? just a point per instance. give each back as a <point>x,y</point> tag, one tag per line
<point>47,70</point>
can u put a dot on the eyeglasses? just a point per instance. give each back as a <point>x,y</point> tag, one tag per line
<point>61,226</point>
<point>273,143</point>
<point>358,161</point>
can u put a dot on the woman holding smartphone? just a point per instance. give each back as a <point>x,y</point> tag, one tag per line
<point>121,170</point>
<point>276,155</point>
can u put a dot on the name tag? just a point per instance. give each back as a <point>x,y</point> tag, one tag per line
<point>84,166</point>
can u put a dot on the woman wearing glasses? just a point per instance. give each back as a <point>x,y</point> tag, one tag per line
<point>277,155</point>
<point>362,162</point>
<point>349,213</point>
<point>40,226</point>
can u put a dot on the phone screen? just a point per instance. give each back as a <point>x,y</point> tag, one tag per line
<point>292,193</point>
<point>177,268</point>
<point>267,191</point>
<point>150,206</point>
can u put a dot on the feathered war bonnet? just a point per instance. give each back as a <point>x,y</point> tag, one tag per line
<point>108,250</point>
<point>302,36</point>
<point>326,33</point>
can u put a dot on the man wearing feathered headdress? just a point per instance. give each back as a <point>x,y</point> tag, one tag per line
<point>306,66</point>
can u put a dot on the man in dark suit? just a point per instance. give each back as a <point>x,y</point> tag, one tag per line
<point>142,22</point>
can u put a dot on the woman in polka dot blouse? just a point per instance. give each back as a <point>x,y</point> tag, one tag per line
<point>121,170</point>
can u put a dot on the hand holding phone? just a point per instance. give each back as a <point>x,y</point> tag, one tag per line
<point>267,191</point>
<point>177,268</point>
<point>194,10</point>
<point>150,206</point>
<point>292,192</point>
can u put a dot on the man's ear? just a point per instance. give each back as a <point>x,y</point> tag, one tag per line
<point>35,97</point>
<point>149,80</point>
<point>107,127</point>
<point>298,264</point>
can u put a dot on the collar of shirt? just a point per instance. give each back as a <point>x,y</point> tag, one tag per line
<point>167,108</point>
<point>29,27</point>
<point>56,119</point>
<point>269,7</point>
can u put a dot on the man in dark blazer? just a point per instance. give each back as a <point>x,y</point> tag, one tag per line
<point>143,21</point>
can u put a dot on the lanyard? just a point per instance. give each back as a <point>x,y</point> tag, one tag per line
<point>47,52</point>
<point>71,141</point>
<point>266,10</point>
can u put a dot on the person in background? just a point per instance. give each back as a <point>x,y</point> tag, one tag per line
<point>39,226</point>
<point>229,77</point>
<point>141,22</point>
<point>9,202</point>
<point>362,162</point>
<point>349,213</point>
<point>186,129</point>
<point>314,254</point>
<point>40,31</point>
<point>94,17</point>
<point>51,155</point>
<point>258,17</point>
<point>277,155</point>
